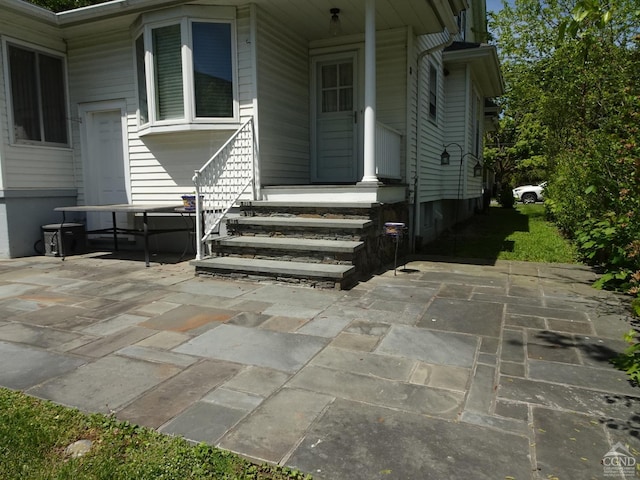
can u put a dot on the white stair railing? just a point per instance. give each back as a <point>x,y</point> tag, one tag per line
<point>223,180</point>
<point>388,150</point>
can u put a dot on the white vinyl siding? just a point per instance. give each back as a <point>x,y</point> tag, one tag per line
<point>433,178</point>
<point>29,166</point>
<point>391,79</point>
<point>102,68</point>
<point>283,103</point>
<point>457,129</point>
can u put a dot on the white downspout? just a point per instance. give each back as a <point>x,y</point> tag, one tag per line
<point>416,204</point>
<point>370,95</point>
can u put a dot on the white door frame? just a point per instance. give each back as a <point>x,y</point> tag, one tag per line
<point>354,54</point>
<point>85,111</point>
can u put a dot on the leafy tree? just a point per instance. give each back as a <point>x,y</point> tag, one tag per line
<point>515,151</point>
<point>571,68</point>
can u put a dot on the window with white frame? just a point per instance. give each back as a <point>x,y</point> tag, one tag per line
<point>37,89</point>
<point>461,21</point>
<point>433,92</point>
<point>186,72</point>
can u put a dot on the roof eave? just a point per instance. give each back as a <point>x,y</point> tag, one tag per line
<point>111,9</point>
<point>29,10</point>
<point>484,60</point>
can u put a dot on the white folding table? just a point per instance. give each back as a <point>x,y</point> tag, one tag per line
<point>143,209</point>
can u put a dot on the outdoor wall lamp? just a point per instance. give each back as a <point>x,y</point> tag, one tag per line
<point>335,28</point>
<point>477,169</point>
<point>445,157</point>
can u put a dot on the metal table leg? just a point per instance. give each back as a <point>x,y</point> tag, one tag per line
<point>60,236</point>
<point>146,238</point>
<point>115,231</point>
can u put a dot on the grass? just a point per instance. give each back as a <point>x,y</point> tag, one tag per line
<point>520,233</point>
<point>34,434</point>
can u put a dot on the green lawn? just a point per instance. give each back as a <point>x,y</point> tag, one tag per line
<point>521,233</point>
<point>35,433</point>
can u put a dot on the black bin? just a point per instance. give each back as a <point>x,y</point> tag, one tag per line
<point>73,239</point>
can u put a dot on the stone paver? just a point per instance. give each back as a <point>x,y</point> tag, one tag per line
<point>365,388</point>
<point>444,370</point>
<point>188,317</point>
<point>277,425</point>
<point>443,348</point>
<point>105,385</point>
<point>365,363</point>
<point>571,445</point>
<point>204,422</point>
<point>282,351</point>
<point>24,367</point>
<point>36,336</point>
<point>160,405</point>
<point>233,399</point>
<point>428,447</point>
<point>478,318</point>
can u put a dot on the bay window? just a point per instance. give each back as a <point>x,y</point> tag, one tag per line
<point>186,72</point>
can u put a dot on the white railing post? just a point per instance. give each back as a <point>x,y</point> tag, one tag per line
<point>388,150</point>
<point>199,226</point>
<point>255,163</point>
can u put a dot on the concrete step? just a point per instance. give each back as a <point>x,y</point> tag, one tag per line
<point>313,274</point>
<point>290,244</point>
<point>302,222</point>
<point>313,205</point>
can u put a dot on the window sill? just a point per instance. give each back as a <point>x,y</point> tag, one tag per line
<point>187,127</point>
<point>41,146</point>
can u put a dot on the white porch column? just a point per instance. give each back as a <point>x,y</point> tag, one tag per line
<point>370,94</point>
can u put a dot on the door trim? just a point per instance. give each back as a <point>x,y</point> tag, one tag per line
<point>85,110</point>
<point>352,54</point>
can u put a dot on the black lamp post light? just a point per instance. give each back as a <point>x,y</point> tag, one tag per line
<point>445,159</point>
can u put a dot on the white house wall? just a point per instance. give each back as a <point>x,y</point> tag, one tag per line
<point>33,179</point>
<point>391,79</point>
<point>457,130</point>
<point>429,133</point>
<point>30,167</point>
<point>100,70</point>
<point>161,166</point>
<point>283,103</point>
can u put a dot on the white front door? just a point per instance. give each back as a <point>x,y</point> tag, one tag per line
<point>104,163</point>
<point>335,145</point>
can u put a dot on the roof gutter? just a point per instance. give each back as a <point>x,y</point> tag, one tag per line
<point>110,9</point>
<point>29,9</point>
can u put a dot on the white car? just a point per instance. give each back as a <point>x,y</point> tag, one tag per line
<point>530,193</point>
